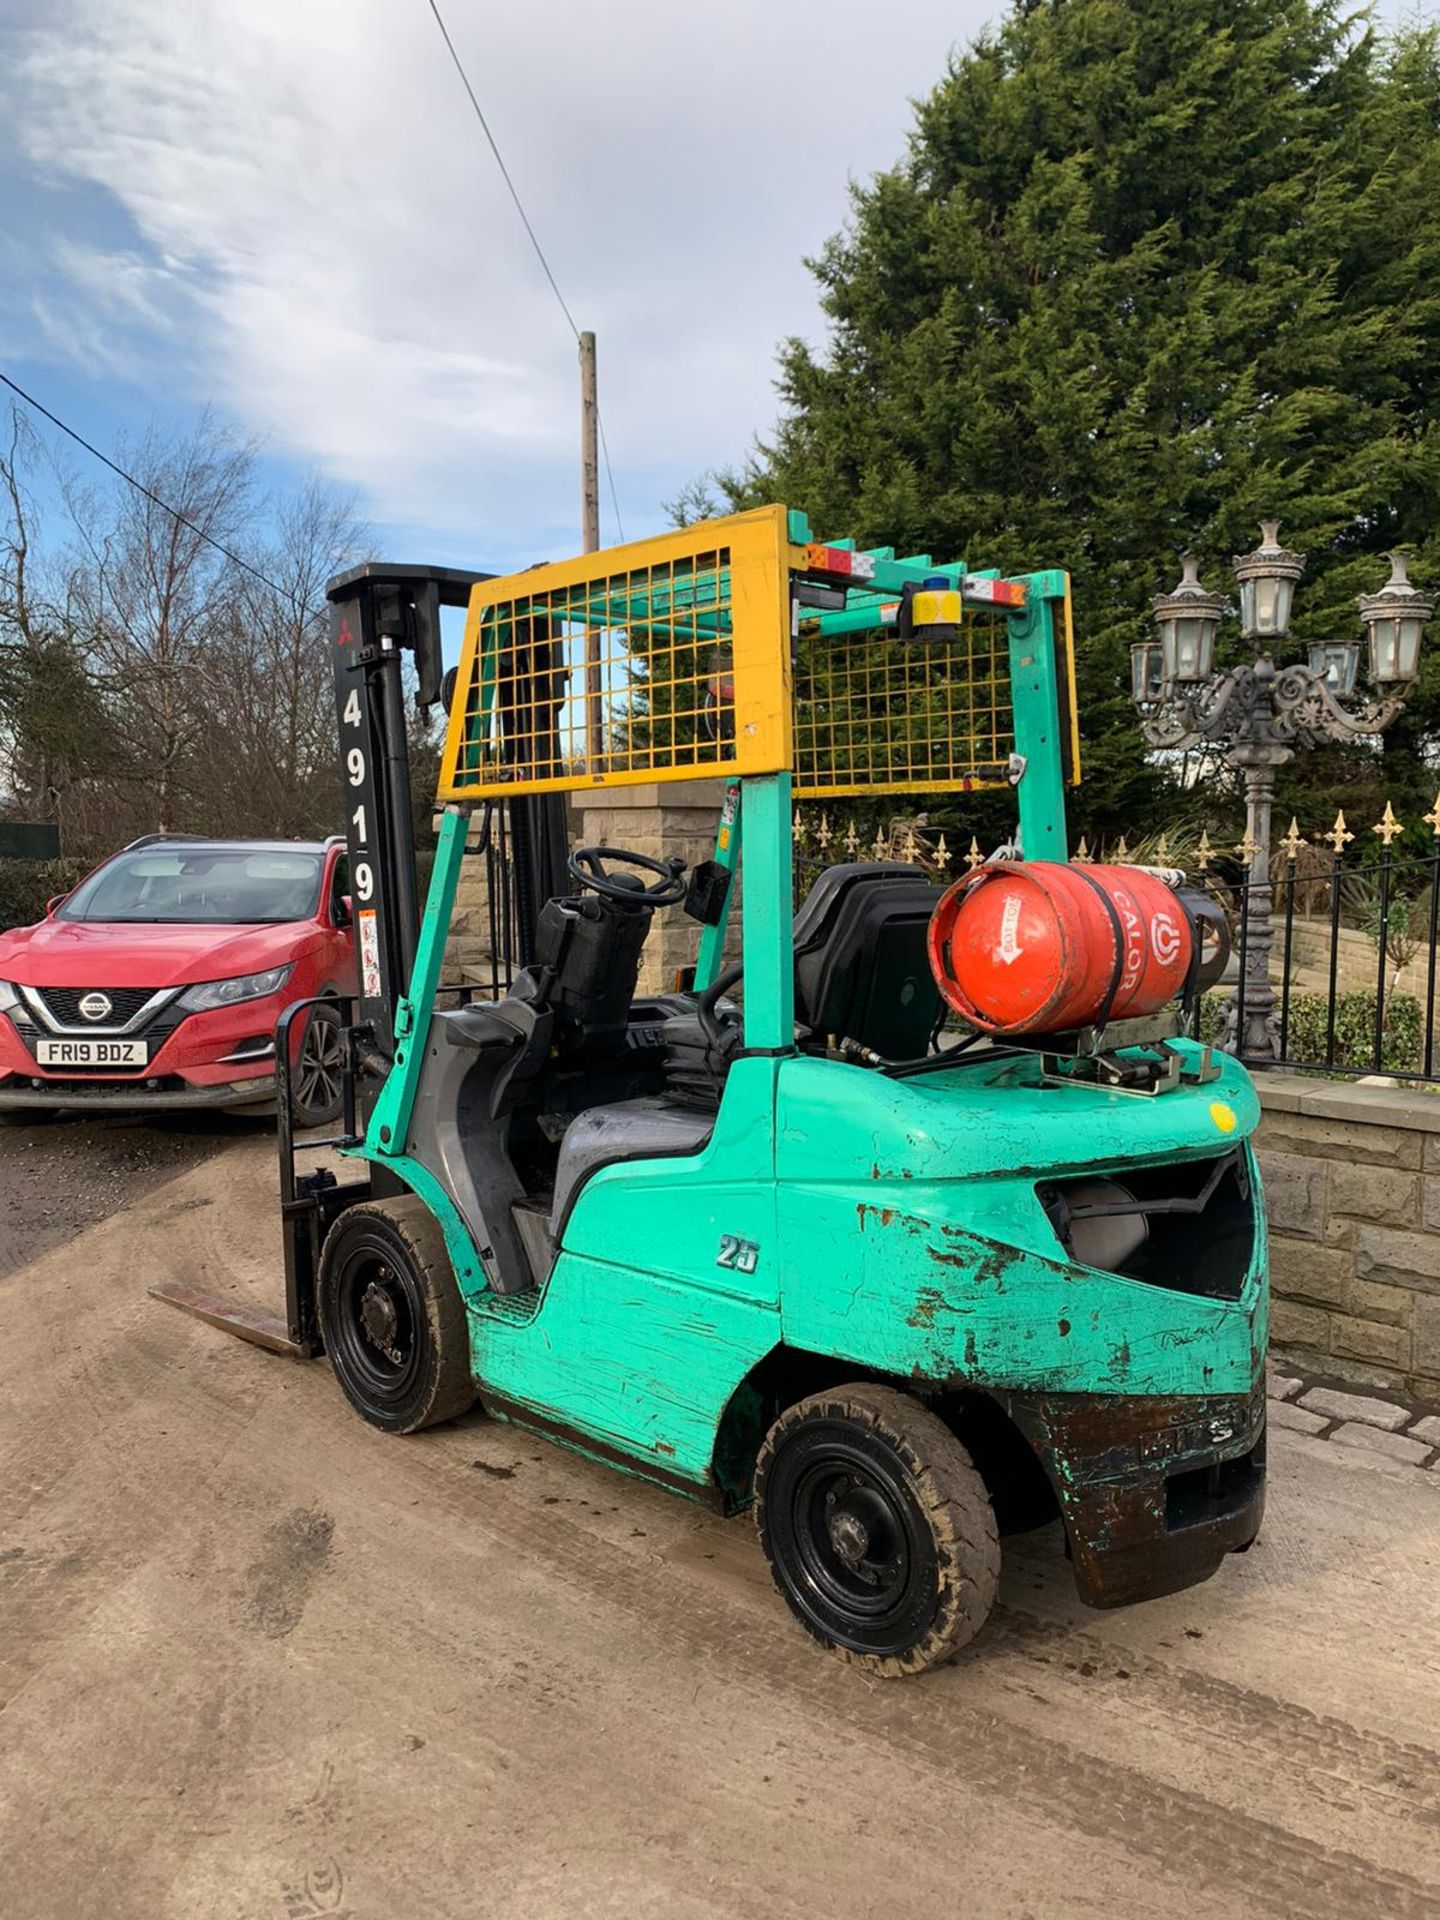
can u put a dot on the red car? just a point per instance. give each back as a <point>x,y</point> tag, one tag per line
<point>157,983</point>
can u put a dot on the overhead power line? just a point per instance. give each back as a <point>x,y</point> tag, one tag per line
<point>164,505</point>
<point>534,237</point>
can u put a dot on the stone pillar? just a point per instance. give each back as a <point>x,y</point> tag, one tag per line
<point>659,819</point>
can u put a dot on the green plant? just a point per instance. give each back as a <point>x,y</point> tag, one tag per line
<point>25,886</point>
<point>1082,323</point>
<point>1307,1031</point>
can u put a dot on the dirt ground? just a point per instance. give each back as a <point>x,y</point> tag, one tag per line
<point>59,1176</point>
<point>257,1660</point>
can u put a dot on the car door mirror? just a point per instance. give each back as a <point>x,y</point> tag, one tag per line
<point>344,910</point>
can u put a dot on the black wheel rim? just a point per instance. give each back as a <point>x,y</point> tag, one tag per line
<point>376,1318</point>
<point>317,1071</point>
<point>847,1536</point>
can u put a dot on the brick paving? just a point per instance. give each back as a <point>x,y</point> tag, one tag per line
<point>1379,1429</point>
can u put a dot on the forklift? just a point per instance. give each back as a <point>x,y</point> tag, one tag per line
<point>784,1237</point>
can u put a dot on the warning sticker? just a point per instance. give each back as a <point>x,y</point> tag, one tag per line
<point>369,954</point>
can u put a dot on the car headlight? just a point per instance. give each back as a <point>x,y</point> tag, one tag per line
<point>8,997</point>
<point>211,994</point>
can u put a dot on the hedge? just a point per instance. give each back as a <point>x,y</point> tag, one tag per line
<point>1403,1039</point>
<point>25,886</point>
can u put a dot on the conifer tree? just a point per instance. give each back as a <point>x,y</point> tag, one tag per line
<point>1147,270</point>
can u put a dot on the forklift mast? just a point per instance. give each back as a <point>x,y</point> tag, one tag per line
<point>378,613</point>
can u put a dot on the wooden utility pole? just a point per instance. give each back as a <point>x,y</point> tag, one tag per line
<point>590,533</point>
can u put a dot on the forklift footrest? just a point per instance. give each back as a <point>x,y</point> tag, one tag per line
<point>266,1330</point>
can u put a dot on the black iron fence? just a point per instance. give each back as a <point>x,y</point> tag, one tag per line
<point>1353,962</point>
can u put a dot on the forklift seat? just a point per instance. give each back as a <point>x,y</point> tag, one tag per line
<point>862,972</point>
<point>644,1129</point>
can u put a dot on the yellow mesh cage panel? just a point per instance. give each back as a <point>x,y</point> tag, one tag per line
<point>661,660</point>
<point>873,711</point>
<point>671,658</point>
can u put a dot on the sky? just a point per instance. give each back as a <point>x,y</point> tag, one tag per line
<point>286,212</point>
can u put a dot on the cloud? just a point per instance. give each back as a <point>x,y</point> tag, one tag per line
<point>313,233</point>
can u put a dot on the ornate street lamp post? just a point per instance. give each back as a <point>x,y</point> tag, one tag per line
<point>1257,714</point>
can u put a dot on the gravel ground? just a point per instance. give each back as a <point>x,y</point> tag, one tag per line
<point>59,1176</point>
<point>259,1661</point>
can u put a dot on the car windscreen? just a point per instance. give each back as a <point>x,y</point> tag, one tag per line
<point>220,886</point>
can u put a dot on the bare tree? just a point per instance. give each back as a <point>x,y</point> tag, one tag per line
<point>270,739</point>
<point>152,589</point>
<point>150,680</point>
<point>50,710</point>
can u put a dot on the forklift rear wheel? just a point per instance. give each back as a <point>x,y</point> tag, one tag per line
<point>392,1318</point>
<point>316,1084</point>
<point>879,1531</point>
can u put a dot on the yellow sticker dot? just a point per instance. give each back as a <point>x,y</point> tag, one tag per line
<point>1223,1116</point>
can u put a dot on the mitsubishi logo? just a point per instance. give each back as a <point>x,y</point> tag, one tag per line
<point>95,1006</point>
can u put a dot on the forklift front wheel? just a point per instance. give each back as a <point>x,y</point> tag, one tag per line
<point>391,1316</point>
<point>879,1531</point>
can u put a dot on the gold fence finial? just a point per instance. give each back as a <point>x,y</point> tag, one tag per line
<point>1122,849</point>
<point>1082,852</point>
<point>1204,853</point>
<point>942,852</point>
<point>1432,819</point>
<point>1339,835</point>
<point>797,831</point>
<point>1162,849</point>
<point>1388,827</point>
<point>974,858</point>
<point>910,847</point>
<point>1248,846</point>
<point>879,847</point>
<point>852,840</point>
<point>824,835</point>
<point>1293,841</point>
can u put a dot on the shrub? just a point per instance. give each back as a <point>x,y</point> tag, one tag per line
<point>1402,1042</point>
<point>25,886</point>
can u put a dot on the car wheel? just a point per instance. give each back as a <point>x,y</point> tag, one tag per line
<point>878,1529</point>
<point>316,1079</point>
<point>391,1316</point>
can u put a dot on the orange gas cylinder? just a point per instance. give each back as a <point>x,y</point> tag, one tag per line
<point>1037,947</point>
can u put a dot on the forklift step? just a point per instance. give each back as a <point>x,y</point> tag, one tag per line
<point>266,1330</point>
<point>532,1224</point>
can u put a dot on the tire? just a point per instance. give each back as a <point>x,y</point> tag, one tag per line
<point>391,1316</point>
<point>316,1093</point>
<point>879,1532</point>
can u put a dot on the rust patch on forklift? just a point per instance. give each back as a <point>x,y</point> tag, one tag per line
<point>1112,1459</point>
<point>927,1305</point>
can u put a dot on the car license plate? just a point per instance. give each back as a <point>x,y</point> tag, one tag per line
<point>91,1053</point>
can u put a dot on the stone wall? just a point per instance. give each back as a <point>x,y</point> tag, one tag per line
<point>1352,1193</point>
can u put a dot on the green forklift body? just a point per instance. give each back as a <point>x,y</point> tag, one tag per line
<point>911,1229</point>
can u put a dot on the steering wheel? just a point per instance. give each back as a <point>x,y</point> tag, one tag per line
<point>587,866</point>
